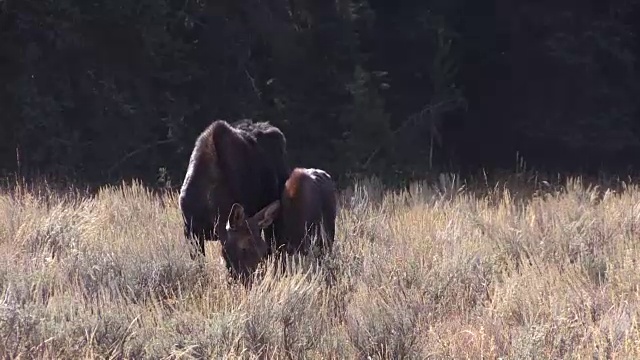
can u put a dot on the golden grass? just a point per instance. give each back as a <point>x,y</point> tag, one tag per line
<point>416,274</point>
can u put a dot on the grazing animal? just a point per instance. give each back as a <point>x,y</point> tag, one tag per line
<point>307,210</point>
<point>244,247</point>
<point>245,163</point>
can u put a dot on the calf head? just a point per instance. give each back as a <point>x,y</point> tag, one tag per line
<point>244,247</point>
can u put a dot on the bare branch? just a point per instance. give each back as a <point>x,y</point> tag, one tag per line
<point>253,84</point>
<point>135,152</point>
<point>412,119</point>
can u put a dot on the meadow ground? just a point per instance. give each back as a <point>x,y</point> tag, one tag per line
<point>415,274</point>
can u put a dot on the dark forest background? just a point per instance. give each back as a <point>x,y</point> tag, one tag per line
<point>105,90</point>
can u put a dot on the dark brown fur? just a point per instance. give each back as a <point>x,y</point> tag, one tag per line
<point>243,163</point>
<point>245,248</point>
<point>307,209</point>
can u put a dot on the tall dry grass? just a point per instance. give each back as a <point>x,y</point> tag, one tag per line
<point>432,272</point>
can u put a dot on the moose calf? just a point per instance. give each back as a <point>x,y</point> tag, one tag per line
<point>306,210</point>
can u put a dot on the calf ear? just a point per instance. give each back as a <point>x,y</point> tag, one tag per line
<point>236,216</point>
<point>266,216</point>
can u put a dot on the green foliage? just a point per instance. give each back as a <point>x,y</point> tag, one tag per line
<point>446,96</point>
<point>590,74</point>
<point>366,125</point>
<point>102,90</point>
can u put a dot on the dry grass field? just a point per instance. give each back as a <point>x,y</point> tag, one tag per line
<point>420,274</point>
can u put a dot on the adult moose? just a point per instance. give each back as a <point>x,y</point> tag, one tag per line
<point>307,209</point>
<point>245,163</point>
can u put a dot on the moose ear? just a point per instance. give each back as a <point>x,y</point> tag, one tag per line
<point>266,216</point>
<point>236,216</point>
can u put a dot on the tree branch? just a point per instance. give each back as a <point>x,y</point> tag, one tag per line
<point>135,152</point>
<point>253,84</point>
<point>412,119</point>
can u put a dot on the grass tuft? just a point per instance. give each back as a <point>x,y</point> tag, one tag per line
<point>442,269</point>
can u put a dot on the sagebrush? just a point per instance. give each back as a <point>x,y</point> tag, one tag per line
<point>430,272</point>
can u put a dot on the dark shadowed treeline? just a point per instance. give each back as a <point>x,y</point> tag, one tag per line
<point>101,90</point>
